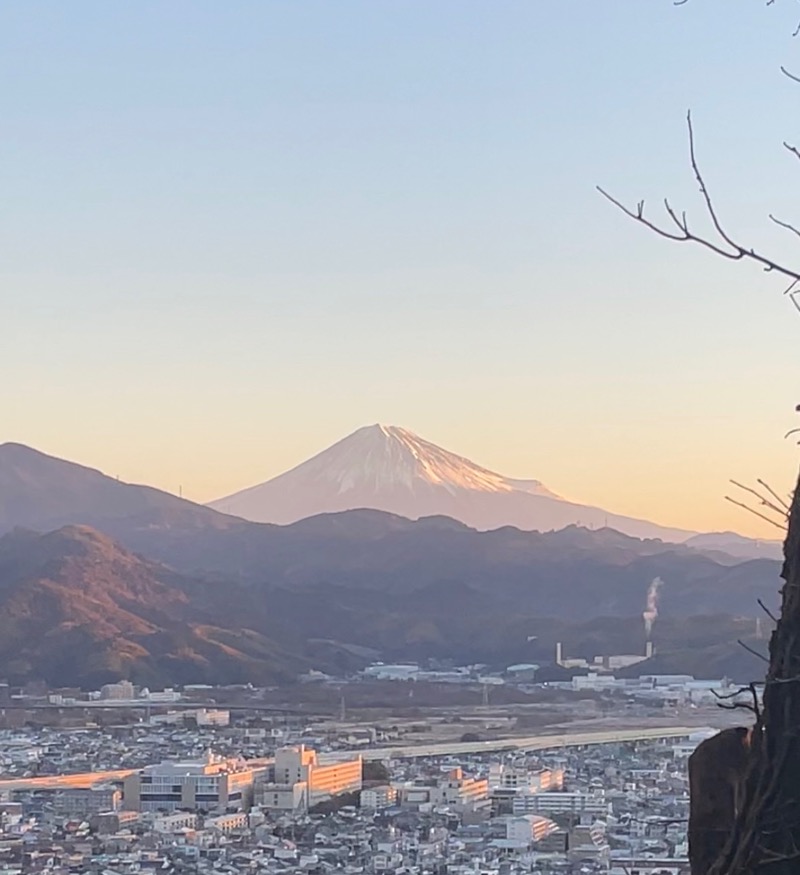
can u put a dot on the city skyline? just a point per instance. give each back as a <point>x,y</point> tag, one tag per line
<point>234,236</point>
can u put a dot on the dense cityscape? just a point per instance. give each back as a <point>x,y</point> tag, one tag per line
<point>125,780</point>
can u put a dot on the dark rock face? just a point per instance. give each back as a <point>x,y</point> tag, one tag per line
<point>716,774</point>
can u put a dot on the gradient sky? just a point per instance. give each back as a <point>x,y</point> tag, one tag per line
<point>234,232</point>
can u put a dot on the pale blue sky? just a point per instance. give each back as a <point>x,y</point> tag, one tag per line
<point>234,232</point>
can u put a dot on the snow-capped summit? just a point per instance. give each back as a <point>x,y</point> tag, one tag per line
<point>386,457</point>
<point>389,468</point>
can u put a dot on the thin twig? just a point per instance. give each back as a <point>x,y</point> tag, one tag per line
<point>781,224</point>
<point>793,149</point>
<point>767,611</point>
<point>757,513</point>
<point>773,493</point>
<point>760,497</point>
<point>750,650</point>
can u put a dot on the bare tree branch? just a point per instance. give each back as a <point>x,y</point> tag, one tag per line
<point>757,513</point>
<point>750,650</point>
<point>726,247</point>
<point>793,149</point>
<point>779,509</point>
<point>787,225</point>
<point>767,611</point>
<point>781,501</point>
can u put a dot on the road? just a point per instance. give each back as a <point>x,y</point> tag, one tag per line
<point>530,742</point>
<point>60,782</point>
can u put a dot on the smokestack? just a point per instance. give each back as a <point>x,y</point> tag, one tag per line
<point>648,649</point>
<point>651,610</point>
<point>559,660</point>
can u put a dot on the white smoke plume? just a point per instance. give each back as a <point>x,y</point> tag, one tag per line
<point>651,611</point>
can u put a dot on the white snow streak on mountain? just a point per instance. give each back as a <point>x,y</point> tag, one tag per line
<point>385,457</point>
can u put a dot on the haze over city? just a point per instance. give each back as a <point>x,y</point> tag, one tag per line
<point>234,234</point>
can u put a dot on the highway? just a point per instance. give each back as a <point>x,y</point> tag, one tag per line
<point>60,782</point>
<point>530,742</point>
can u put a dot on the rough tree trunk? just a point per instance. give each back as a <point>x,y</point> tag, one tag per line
<point>766,837</point>
<point>716,772</point>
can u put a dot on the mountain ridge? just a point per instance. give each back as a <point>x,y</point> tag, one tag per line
<point>392,469</point>
<point>44,492</point>
<point>76,607</point>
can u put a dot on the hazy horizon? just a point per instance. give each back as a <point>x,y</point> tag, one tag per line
<point>233,235</point>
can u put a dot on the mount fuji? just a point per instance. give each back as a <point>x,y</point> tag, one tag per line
<point>392,469</point>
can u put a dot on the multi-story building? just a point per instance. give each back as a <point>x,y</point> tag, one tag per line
<point>503,777</point>
<point>529,828</point>
<point>121,690</point>
<point>376,798</point>
<point>211,716</point>
<point>110,822</point>
<point>227,822</point>
<point>323,779</point>
<point>84,801</point>
<point>298,779</point>
<point>281,797</point>
<point>178,820</point>
<point>211,784</point>
<point>456,789</point>
<point>202,717</point>
<point>560,803</point>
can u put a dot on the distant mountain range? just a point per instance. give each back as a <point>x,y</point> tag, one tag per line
<point>78,608</point>
<point>392,469</point>
<point>139,583</point>
<point>377,467</point>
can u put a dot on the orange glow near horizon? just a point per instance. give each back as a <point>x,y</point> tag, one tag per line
<point>686,491</point>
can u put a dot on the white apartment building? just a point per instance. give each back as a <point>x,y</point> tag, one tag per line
<point>376,798</point>
<point>175,822</point>
<point>560,803</point>
<point>121,690</point>
<point>453,790</point>
<point>282,797</point>
<point>456,789</point>
<point>504,777</point>
<point>299,779</point>
<point>529,828</point>
<point>226,823</point>
<point>202,716</point>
